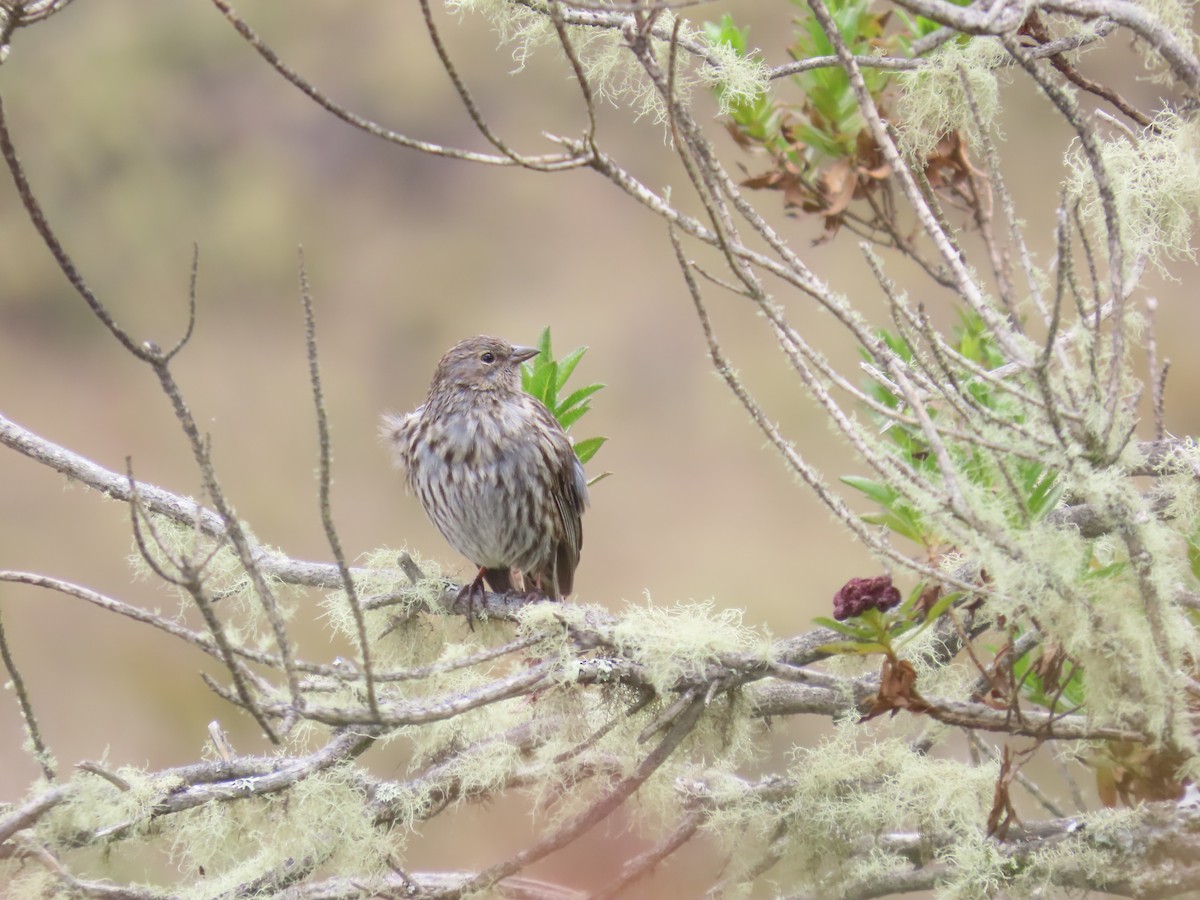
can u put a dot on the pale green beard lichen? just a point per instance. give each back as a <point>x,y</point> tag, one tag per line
<point>322,820</point>
<point>1155,182</point>
<point>933,101</point>
<point>169,541</point>
<point>735,79</point>
<point>841,797</point>
<point>1176,16</point>
<point>670,646</point>
<point>225,581</point>
<point>612,71</point>
<point>96,804</point>
<point>399,636</point>
<point>680,641</point>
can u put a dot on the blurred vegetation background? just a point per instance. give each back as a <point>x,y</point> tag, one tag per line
<point>145,127</point>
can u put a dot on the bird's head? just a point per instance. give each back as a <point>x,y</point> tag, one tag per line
<point>482,364</point>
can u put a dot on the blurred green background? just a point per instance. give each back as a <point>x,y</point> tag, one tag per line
<point>145,127</point>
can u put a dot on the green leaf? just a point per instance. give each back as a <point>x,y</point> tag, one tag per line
<point>571,416</point>
<point>905,522</point>
<point>911,600</point>
<point>860,648</point>
<point>897,514</point>
<point>1113,568</point>
<point>943,604</point>
<point>567,365</point>
<point>576,398</point>
<point>539,376</point>
<point>1071,684</point>
<point>1193,554</point>
<point>541,381</point>
<point>1046,493</point>
<point>878,491</point>
<point>897,344</point>
<point>727,32</point>
<point>544,377</point>
<point>854,630</point>
<point>586,449</point>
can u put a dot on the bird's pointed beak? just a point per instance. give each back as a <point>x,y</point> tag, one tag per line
<point>520,354</point>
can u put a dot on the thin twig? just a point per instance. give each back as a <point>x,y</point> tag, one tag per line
<point>1158,376</point>
<point>41,752</point>
<point>375,130</point>
<point>640,866</point>
<point>468,101</point>
<point>34,210</point>
<point>27,815</point>
<point>190,579</point>
<point>595,812</point>
<point>325,479</point>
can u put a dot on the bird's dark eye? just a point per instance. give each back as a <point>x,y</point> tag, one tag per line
<point>488,357</point>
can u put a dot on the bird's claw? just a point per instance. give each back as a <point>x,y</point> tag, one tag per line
<point>471,592</point>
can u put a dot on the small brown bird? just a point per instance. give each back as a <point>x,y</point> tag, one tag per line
<point>494,470</point>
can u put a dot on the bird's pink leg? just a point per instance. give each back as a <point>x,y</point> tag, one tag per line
<point>533,590</point>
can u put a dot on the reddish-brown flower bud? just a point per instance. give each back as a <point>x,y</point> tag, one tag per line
<point>860,594</point>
